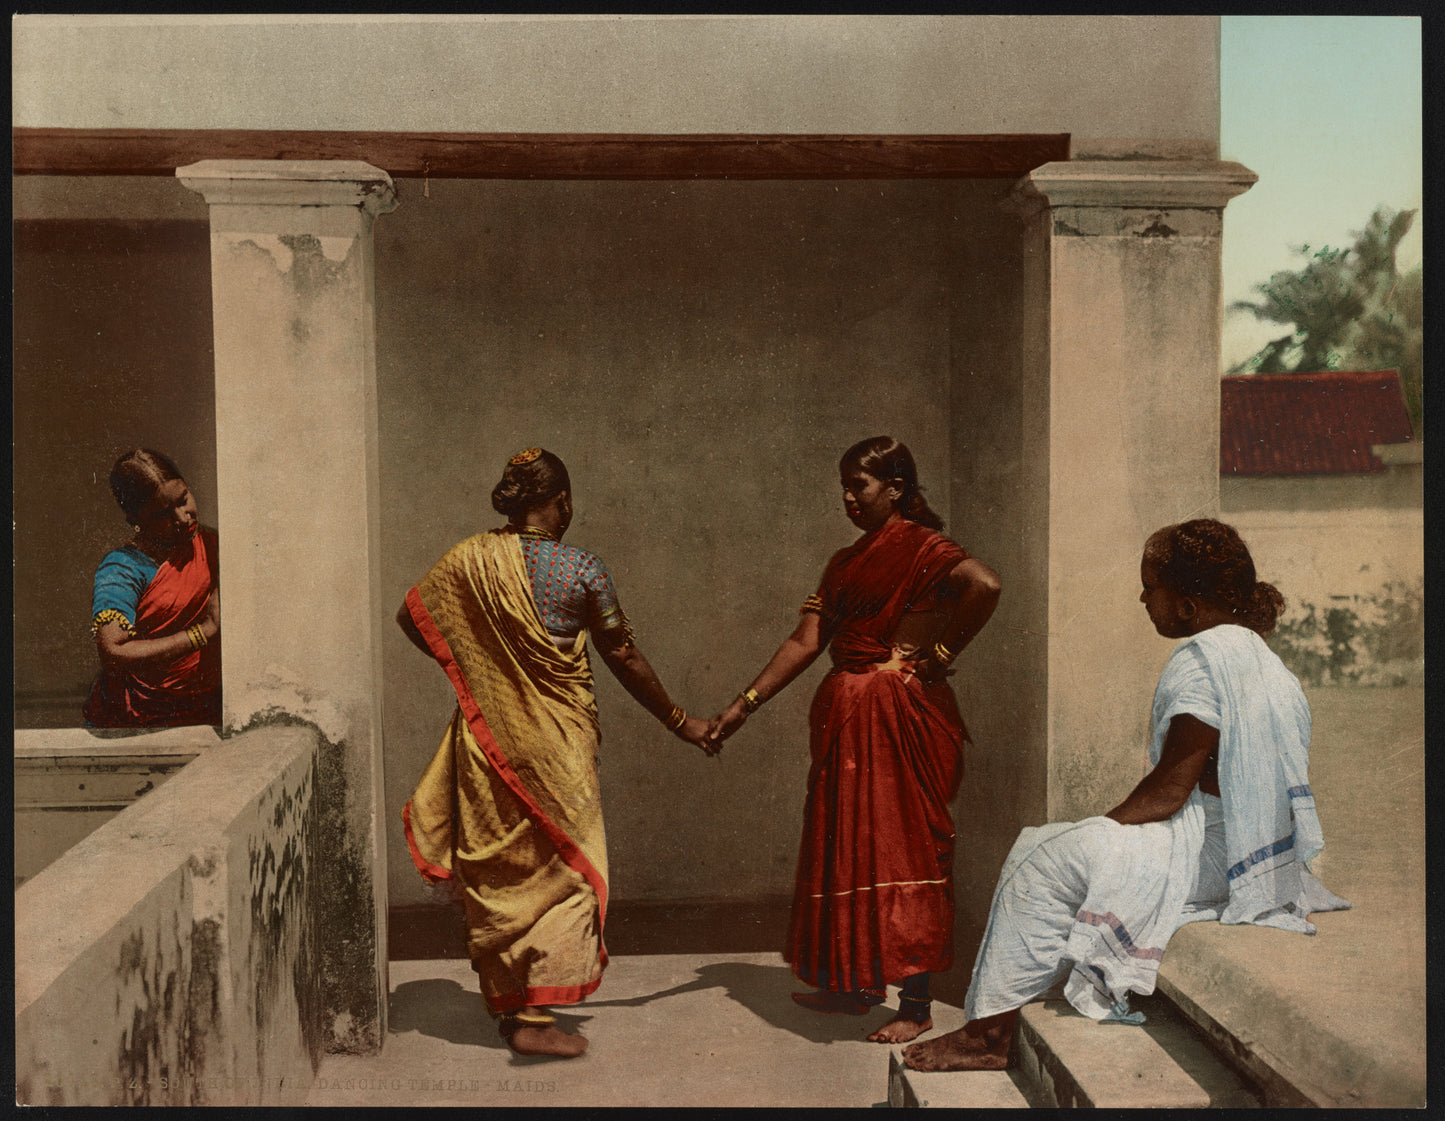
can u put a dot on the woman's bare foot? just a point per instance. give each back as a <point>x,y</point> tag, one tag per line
<point>527,1039</point>
<point>978,1045</point>
<point>849,1004</point>
<point>901,1029</point>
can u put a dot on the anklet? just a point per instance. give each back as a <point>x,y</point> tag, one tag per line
<point>921,1007</point>
<point>508,1022</point>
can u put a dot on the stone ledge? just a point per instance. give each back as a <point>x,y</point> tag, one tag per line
<point>1257,1000</point>
<point>976,1089</point>
<point>1070,1060</point>
<point>189,915</point>
<point>60,743</point>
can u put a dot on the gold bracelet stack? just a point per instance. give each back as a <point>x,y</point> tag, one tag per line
<point>675,719</point>
<point>751,701</point>
<point>942,654</point>
<point>196,635</point>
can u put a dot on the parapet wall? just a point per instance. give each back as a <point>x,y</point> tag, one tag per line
<point>170,958</point>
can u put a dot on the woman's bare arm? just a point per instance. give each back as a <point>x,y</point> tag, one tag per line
<point>119,649</point>
<point>1188,746</point>
<point>977,588</point>
<point>796,654</point>
<point>630,666</point>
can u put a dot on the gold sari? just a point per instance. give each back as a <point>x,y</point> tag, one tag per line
<point>510,805</point>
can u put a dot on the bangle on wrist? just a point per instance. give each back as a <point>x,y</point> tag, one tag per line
<point>751,701</point>
<point>942,654</point>
<point>675,719</point>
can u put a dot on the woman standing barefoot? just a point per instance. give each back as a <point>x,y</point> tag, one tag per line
<point>510,807</point>
<point>873,904</point>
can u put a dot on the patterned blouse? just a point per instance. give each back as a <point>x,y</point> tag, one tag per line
<point>572,589</point>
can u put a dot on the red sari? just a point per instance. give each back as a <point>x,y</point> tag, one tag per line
<point>873,902</point>
<point>188,690</point>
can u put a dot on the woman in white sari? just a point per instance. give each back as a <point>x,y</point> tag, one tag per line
<point>1221,828</point>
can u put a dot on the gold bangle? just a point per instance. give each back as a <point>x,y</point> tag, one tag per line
<point>193,632</point>
<point>675,719</point>
<point>942,654</point>
<point>751,701</point>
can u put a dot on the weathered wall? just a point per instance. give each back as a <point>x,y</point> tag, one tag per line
<point>699,354</point>
<point>1000,441</point>
<point>71,781</point>
<point>1119,84</point>
<point>1348,553</point>
<point>195,908</point>
<point>1134,446</point>
<point>112,350</point>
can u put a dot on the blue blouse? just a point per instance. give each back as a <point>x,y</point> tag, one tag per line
<point>121,579</point>
<point>571,587</point>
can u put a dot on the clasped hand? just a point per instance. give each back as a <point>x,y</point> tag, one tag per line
<point>696,731</point>
<point>728,721</point>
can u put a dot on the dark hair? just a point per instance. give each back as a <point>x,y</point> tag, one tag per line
<point>533,480</point>
<point>137,476</point>
<point>1208,559</point>
<point>885,458</point>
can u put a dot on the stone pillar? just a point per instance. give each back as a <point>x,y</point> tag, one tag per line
<point>298,515</point>
<point>1123,291</point>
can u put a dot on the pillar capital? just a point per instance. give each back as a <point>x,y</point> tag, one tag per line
<point>291,183</point>
<point>1132,184</point>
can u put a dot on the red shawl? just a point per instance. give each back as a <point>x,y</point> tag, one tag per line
<point>188,690</point>
<point>874,896</point>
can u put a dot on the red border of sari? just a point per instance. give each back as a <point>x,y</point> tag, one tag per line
<point>571,854</point>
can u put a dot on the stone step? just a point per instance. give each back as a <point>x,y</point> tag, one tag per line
<point>1068,1060</point>
<point>975,1089</point>
<point>1064,1060</point>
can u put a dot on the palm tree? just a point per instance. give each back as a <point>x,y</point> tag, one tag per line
<point>1349,310</point>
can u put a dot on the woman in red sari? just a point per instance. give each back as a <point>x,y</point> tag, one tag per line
<point>156,613</point>
<point>873,904</point>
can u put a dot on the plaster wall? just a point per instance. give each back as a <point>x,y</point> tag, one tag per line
<point>1000,441</point>
<point>1313,555</point>
<point>1135,370</point>
<point>112,350</point>
<point>204,932</point>
<point>1122,85</point>
<point>699,354</point>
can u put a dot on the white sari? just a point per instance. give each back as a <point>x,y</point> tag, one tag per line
<point>1092,904</point>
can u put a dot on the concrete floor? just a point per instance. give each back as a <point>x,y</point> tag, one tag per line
<point>664,1030</point>
<point>1345,1009</point>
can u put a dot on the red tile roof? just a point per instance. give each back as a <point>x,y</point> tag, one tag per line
<point>1309,424</point>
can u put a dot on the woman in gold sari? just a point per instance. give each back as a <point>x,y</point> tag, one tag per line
<point>509,808</point>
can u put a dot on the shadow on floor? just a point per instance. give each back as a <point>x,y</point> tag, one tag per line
<point>765,991</point>
<point>445,1010</point>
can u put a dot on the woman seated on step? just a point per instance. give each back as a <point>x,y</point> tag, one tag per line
<point>1220,828</point>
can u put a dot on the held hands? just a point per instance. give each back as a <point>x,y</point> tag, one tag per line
<point>728,721</point>
<point>695,731</point>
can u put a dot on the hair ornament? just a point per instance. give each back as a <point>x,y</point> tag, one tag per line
<point>524,456</point>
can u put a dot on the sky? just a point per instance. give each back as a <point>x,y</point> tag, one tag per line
<point>1327,111</point>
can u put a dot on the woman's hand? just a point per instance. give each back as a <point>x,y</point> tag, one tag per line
<point>906,661</point>
<point>728,721</point>
<point>695,731</point>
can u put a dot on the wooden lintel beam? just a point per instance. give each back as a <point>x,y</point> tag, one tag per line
<point>458,155</point>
